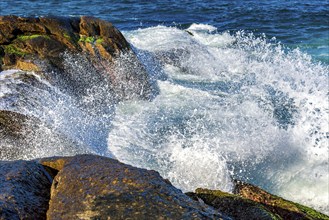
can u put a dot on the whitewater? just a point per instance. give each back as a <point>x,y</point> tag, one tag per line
<point>225,106</point>
<point>230,106</point>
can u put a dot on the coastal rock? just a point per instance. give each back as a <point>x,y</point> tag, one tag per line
<point>51,46</point>
<point>232,205</point>
<point>25,136</point>
<point>94,187</point>
<point>281,207</point>
<point>48,37</point>
<point>251,202</point>
<point>24,190</point>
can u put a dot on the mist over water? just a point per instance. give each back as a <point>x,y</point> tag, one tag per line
<point>230,106</point>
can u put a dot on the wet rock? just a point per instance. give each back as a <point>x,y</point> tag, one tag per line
<point>232,205</point>
<point>94,187</point>
<point>25,136</point>
<point>48,37</point>
<point>281,207</point>
<point>251,202</point>
<point>24,190</point>
<point>45,44</point>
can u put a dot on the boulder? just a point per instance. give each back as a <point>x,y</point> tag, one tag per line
<point>24,190</point>
<point>232,205</point>
<point>281,207</point>
<point>67,70</point>
<point>27,39</point>
<point>251,202</point>
<point>94,187</point>
<point>52,46</point>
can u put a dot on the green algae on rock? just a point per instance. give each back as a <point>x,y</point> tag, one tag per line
<point>252,202</point>
<point>284,208</point>
<point>42,44</point>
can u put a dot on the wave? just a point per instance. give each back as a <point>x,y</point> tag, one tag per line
<point>229,106</point>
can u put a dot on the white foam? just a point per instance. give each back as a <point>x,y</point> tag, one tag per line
<point>241,106</point>
<point>202,27</point>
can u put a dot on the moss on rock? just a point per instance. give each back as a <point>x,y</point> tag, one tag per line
<point>12,49</point>
<point>99,40</point>
<point>86,39</point>
<point>282,207</point>
<point>30,37</point>
<point>252,202</point>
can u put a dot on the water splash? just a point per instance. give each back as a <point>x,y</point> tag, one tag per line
<point>72,108</point>
<point>230,106</point>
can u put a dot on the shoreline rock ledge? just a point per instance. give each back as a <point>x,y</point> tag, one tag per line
<point>96,187</point>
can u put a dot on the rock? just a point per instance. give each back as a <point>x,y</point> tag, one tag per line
<point>82,63</point>
<point>233,206</point>
<point>48,37</point>
<point>24,190</point>
<point>281,207</point>
<point>25,136</point>
<point>94,187</point>
<point>51,45</point>
<point>251,202</point>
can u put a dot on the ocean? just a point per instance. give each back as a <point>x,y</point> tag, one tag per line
<point>240,92</point>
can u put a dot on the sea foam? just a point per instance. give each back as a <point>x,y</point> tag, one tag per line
<point>232,106</point>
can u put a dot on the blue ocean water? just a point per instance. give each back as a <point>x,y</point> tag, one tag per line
<point>303,23</point>
<point>242,92</point>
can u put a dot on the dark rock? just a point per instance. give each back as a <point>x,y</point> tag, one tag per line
<point>24,190</point>
<point>27,137</point>
<point>281,207</point>
<point>251,202</point>
<point>94,187</point>
<point>232,205</point>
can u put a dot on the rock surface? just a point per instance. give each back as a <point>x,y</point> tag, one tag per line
<point>47,37</point>
<point>24,190</point>
<point>94,187</point>
<point>52,46</point>
<point>69,74</point>
<point>283,208</point>
<point>233,205</point>
<point>251,202</point>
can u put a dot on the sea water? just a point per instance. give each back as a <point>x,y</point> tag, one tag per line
<point>229,107</point>
<point>240,92</point>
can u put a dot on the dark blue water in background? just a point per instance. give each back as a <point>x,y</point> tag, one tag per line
<point>303,23</point>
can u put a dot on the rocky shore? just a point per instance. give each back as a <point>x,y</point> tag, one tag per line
<point>88,186</point>
<point>95,187</point>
